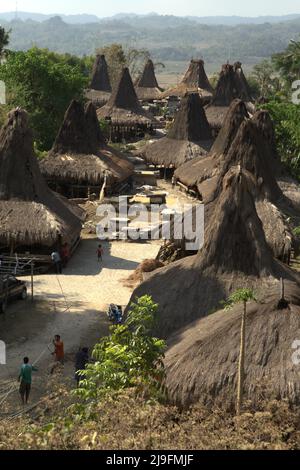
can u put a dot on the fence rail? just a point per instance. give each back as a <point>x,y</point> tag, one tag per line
<point>22,266</point>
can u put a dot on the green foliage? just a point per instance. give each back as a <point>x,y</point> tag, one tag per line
<point>240,295</point>
<point>43,83</point>
<point>296,232</point>
<point>265,80</point>
<point>129,357</point>
<point>286,117</point>
<point>117,57</point>
<point>4,39</point>
<point>288,62</point>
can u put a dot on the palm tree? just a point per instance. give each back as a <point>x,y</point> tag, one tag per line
<point>244,296</point>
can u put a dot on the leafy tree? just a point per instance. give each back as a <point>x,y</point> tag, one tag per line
<point>43,83</point>
<point>268,84</point>
<point>288,62</point>
<point>129,357</point>
<point>286,117</point>
<point>4,39</point>
<point>117,58</point>
<point>241,296</point>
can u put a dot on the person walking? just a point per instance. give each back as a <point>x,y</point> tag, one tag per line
<point>58,353</point>
<point>25,379</point>
<point>56,259</point>
<point>100,253</point>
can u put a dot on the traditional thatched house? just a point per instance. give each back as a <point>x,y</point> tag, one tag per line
<point>193,172</point>
<point>194,81</point>
<point>202,360</point>
<point>80,161</point>
<point>232,84</point>
<point>189,137</point>
<point>32,217</point>
<point>100,88</point>
<point>147,88</point>
<point>124,113</point>
<point>246,142</point>
<point>235,255</point>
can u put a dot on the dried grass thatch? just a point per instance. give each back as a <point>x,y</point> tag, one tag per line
<point>147,88</point>
<point>194,172</point>
<point>189,136</point>
<point>194,81</point>
<point>79,154</point>
<point>232,84</point>
<point>252,148</point>
<point>235,255</point>
<point>30,214</point>
<point>123,107</point>
<point>100,87</point>
<point>202,361</point>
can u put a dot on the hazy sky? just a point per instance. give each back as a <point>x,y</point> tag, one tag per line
<point>186,7</point>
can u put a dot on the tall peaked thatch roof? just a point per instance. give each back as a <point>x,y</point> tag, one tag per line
<point>235,255</point>
<point>100,78</point>
<point>189,136</point>
<point>147,88</point>
<point>80,155</point>
<point>123,106</point>
<point>232,84</point>
<point>100,87</point>
<point>30,213</point>
<point>202,360</point>
<point>195,171</point>
<point>194,81</point>
<point>250,147</point>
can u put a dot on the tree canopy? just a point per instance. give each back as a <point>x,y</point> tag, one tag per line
<point>43,83</point>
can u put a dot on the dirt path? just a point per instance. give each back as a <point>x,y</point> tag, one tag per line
<point>72,305</point>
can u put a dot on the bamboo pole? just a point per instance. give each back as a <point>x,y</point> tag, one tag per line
<point>32,272</point>
<point>241,369</point>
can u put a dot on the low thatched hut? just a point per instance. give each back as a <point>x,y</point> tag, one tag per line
<point>80,161</point>
<point>32,217</point>
<point>147,88</point>
<point>232,84</point>
<point>189,136</point>
<point>194,81</point>
<point>123,112</point>
<point>202,360</point>
<point>235,255</point>
<point>100,88</point>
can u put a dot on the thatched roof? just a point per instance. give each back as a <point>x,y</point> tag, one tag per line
<point>189,136</point>
<point>123,107</point>
<point>232,84</point>
<point>147,88</point>
<point>235,255</point>
<point>79,154</point>
<point>100,87</point>
<point>29,212</point>
<point>194,172</point>
<point>100,79</point>
<point>202,361</point>
<point>194,81</point>
<point>251,149</point>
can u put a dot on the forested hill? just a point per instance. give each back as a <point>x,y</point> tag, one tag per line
<point>167,37</point>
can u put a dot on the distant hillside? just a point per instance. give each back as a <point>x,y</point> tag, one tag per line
<point>169,38</point>
<point>72,19</point>
<point>209,20</point>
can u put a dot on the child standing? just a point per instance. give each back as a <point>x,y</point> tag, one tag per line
<point>100,253</point>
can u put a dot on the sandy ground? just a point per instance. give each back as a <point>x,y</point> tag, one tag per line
<point>72,305</point>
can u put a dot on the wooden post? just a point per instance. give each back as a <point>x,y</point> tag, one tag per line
<point>281,288</point>
<point>32,272</point>
<point>241,369</point>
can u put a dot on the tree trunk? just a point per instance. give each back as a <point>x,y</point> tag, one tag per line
<point>241,370</point>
